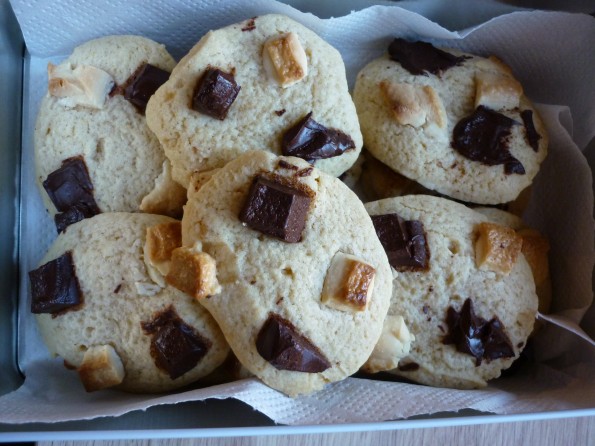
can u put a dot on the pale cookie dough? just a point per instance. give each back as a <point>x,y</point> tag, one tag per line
<point>264,279</point>
<point>114,337</point>
<point>408,120</point>
<point>265,108</point>
<point>535,248</point>
<point>496,280</point>
<point>379,181</point>
<point>85,116</point>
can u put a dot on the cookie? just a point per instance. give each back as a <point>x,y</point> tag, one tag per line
<point>268,83</point>
<point>305,283</point>
<point>103,306</point>
<point>456,123</point>
<point>93,150</point>
<point>535,248</point>
<point>462,286</point>
<point>378,181</point>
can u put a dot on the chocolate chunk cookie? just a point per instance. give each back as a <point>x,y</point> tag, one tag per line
<point>305,283</point>
<point>456,123</point>
<point>461,284</point>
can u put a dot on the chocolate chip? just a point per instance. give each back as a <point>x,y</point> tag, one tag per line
<point>280,112</point>
<point>305,172</point>
<point>532,136</point>
<point>285,165</point>
<point>285,349</point>
<point>71,191</point>
<point>422,57</point>
<point>276,209</point>
<point>311,141</point>
<point>408,367</point>
<point>403,241</point>
<point>214,93</point>
<point>483,136</point>
<point>143,84</point>
<point>475,336</point>
<point>176,347</point>
<point>54,286</point>
<point>250,25</point>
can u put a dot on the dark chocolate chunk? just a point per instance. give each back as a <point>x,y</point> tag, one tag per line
<point>65,219</point>
<point>483,136</point>
<point>311,141</point>
<point>422,57</point>
<point>214,93</point>
<point>276,209</point>
<point>176,347</point>
<point>403,241</point>
<point>71,191</point>
<point>532,136</point>
<point>143,84</point>
<point>280,112</point>
<point>496,342</point>
<point>54,286</point>
<point>475,336</point>
<point>281,345</point>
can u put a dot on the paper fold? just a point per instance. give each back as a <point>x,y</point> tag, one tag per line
<point>553,69</point>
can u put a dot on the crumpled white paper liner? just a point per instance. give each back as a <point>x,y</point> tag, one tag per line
<point>545,54</point>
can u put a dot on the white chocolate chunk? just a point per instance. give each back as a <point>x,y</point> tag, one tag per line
<point>284,59</point>
<point>497,91</point>
<point>497,248</point>
<point>194,273</point>
<point>101,368</point>
<point>393,345</point>
<point>82,85</point>
<point>348,284</point>
<point>160,242</point>
<point>414,105</point>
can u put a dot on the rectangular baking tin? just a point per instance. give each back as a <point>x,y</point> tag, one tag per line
<point>212,418</point>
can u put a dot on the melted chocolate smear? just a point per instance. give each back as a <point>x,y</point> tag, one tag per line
<point>176,347</point>
<point>276,209</point>
<point>475,336</point>
<point>483,136</point>
<point>143,84</point>
<point>54,286</point>
<point>532,136</point>
<point>214,94</point>
<point>71,190</point>
<point>422,57</point>
<point>403,241</point>
<point>311,141</point>
<point>285,349</point>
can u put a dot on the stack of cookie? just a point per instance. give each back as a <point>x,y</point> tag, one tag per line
<point>275,258</point>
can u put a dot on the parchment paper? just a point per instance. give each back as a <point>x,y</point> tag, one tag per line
<point>549,53</point>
